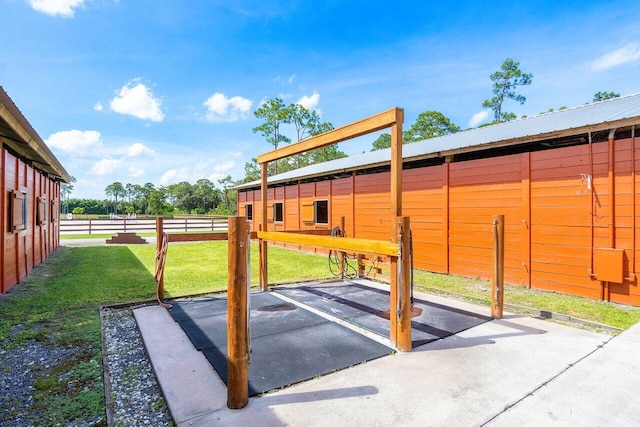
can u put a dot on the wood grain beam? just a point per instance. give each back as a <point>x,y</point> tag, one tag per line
<point>362,127</point>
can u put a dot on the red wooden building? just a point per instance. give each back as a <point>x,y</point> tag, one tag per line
<point>30,176</point>
<point>566,182</point>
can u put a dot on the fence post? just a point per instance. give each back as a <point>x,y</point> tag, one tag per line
<point>497,289</point>
<point>400,284</point>
<point>342,255</point>
<point>159,231</point>
<point>186,227</point>
<point>125,224</point>
<point>237,323</point>
<point>89,226</point>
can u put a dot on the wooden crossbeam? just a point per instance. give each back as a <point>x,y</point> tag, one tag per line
<point>366,246</point>
<point>353,130</point>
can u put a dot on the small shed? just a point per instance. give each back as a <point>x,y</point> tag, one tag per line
<point>30,176</point>
<point>566,182</point>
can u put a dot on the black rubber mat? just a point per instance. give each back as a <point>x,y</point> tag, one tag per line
<point>289,344</point>
<point>367,307</point>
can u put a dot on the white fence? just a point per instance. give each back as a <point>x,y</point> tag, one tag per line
<point>135,225</point>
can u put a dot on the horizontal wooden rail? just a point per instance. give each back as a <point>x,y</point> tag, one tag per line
<point>200,237</point>
<point>362,127</point>
<point>366,246</point>
<point>313,232</point>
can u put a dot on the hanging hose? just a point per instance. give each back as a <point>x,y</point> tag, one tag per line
<point>161,258</point>
<point>335,261</point>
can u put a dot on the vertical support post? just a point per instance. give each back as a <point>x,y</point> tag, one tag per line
<point>361,265</point>
<point>237,324</point>
<point>342,255</point>
<point>396,211</point>
<point>393,293</point>
<point>497,290</point>
<point>264,273</point>
<point>403,325</point>
<point>159,232</point>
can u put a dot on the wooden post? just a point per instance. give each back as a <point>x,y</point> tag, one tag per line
<point>497,290</point>
<point>342,255</point>
<point>403,325</point>
<point>159,232</point>
<point>237,328</point>
<point>396,211</point>
<point>361,268</point>
<point>264,272</point>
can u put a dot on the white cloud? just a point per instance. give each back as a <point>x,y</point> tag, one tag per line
<point>105,166</point>
<point>291,79</point>
<point>136,172</point>
<point>138,149</point>
<point>169,177</point>
<point>135,99</point>
<point>310,102</point>
<point>98,107</point>
<point>221,108</point>
<point>627,53</point>
<point>64,8</point>
<point>478,118</point>
<point>223,167</point>
<point>74,141</point>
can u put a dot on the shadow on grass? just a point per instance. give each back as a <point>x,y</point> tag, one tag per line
<point>57,307</point>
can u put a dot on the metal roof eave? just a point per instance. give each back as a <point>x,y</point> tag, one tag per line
<point>28,143</point>
<point>422,153</point>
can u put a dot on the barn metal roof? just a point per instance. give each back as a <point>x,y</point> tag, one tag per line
<point>599,116</point>
<point>19,136</point>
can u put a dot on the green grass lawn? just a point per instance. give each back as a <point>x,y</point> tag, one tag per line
<point>58,305</point>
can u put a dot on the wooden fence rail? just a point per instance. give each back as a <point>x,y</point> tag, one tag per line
<point>112,226</point>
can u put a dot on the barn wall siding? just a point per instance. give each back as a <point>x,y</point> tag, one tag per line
<point>554,223</point>
<point>22,251</point>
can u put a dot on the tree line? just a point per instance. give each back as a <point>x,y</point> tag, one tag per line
<point>203,197</point>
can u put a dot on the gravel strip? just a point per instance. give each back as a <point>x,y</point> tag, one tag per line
<point>136,399</point>
<point>19,368</point>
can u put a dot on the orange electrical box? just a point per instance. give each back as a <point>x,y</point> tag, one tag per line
<point>609,265</point>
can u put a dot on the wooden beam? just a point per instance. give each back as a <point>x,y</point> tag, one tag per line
<point>237,324</point>
<point>263,250</point>
<point>366,246</point>
<point>403,334</point>
<point>396,166</point>
<point>196,237</point>
<point>362,127</point>
<point>319,232</point>
<point>497,290</point>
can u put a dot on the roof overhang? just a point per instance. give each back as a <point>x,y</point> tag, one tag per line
<point>603,116</point>
<point>19,136</point>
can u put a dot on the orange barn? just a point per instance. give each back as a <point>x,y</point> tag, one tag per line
<point>565,181</point>
<point>29,206</point>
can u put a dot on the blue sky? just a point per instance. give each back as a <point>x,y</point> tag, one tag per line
<point>164,91</point>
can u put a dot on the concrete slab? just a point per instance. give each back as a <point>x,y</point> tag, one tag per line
<point>600,390</point>
<point>482,375</point>
<point>189,384</point>
<point>461,380</point>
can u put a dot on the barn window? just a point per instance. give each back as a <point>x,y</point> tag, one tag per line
<point>41,214</point>
<point>278,210</point>
<point>321,212</point>
<point>248,211</point>
<point>18,211</point>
